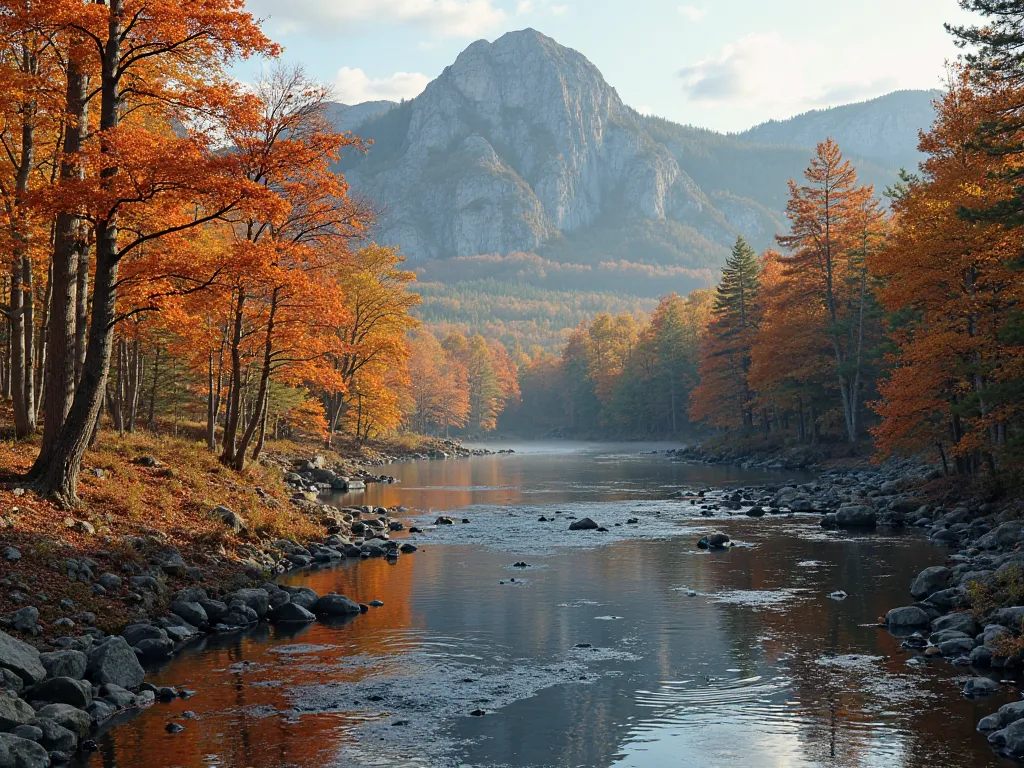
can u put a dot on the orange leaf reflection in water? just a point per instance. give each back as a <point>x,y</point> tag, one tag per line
<point>242,683</point>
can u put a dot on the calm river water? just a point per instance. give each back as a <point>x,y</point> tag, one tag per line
<point>759,668</point>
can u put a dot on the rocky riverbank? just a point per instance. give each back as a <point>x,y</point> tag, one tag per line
<point>86,604</point>
<point>968,611</point>
<point>971,609</point>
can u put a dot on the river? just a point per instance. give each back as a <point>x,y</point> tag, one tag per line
<point>630,648</point>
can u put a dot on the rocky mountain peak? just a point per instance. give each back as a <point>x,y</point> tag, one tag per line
<point>521,143</point>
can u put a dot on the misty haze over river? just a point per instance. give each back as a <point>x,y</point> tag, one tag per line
<point>599,654</point>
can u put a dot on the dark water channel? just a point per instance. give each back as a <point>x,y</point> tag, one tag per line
<point>759,668</point>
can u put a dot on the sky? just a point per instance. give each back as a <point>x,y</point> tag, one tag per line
<point>721,64</point>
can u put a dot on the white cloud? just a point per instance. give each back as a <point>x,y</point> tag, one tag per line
<point>692,13</point>
<point>767,70</point>
<point>526,7</point>
<point>450,18</point>
<point>353,86</point>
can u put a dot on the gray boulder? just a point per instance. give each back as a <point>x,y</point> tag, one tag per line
<point>303,596</point>
<point>136,633</point>
<point>291,613</point>
<point>65,664</point>
<point>21,753</point>
<point>1009,617</point>
<point>586,524</point>
<point>117,696</point>
<point>21,658</point>
<point>115,662</point>
<point>856,516</point>
<point>62,690</point>
<point>230,518</point>
<point>239,615</point>
<point>1010,740</point>
<point>958,622</point>
<point>10,681</point>
<point>1003,537</point>
<point>75,720</point>
<point>1009,713</point>
<point>957,646</point>
<point>256,599</point>
<point>191,612</point>
<point>154,648</point>
<point>980,686</point>
<point>14,711</point>
<point>929,581</point>
<point>55,736</point>
<point>214,609</point>
<point>30,732</point>
<point>907,616</point>
<point>26,619</point>
<point>335,605</point>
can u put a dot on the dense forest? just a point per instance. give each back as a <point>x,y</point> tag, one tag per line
<point>182,251</point>
<point>895,328</point>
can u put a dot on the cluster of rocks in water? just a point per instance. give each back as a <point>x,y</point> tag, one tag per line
<point>956,614</point>
<point>52,702</point>
<point>311,477</point>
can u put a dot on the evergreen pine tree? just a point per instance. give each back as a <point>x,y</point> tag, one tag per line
<point>735,295</point>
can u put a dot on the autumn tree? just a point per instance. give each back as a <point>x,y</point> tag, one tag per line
<point>439,386</point>
<point>156,61</point>
<point>834,224</point>
<point>378,303</point>
<point>951,287</point>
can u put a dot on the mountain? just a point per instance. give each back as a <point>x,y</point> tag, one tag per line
<point>347,117</point>
<point>519,173</point>
<point>884,129</point>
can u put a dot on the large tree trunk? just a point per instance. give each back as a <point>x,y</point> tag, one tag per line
<point>81,305</point>
<point>58,475</point>
<point>61,359</point>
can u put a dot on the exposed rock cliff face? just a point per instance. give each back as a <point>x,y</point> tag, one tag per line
<point>517,140</point>
<point>521,146</point>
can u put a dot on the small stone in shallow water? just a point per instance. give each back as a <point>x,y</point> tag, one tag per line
<point>839,595</point>
<point>477,713</point>
<point>691,593</point>
<point>584,645</point>
<point>376,603</point>
<point>521,564</point>
<point>174,728</point>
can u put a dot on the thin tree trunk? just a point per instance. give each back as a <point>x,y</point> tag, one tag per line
<point>234,396</point>
<point>151,420</point>
<point>261,440</point>
<point>260,403</point>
